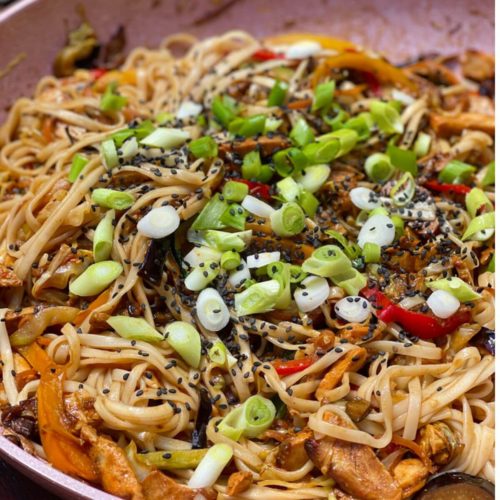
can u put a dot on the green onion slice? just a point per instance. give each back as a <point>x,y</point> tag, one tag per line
<point>363,125</point>
<point>277,95</point>
<point>475,200</point>
<point>78,163</point>
<point>323,95</point>
<point>288,189</point>
<point>248,127</point>
<point>204,147</point>
<point>457,287</point>
<point>103,237</point>
<point>111,100</point>
<point>173,459</point>
<point>110,198</point>
<point>95,278</point>
<point>211,466</point>
<point>109,153</point>
<point>134,328</point>
<point>289,161</point>
<point>185,340</point>
<point>230,260</point>
<point>166,138</point>
<point>234,191</point>
<point>289,220</point>
<point>280,272</point>
<point>327,261</point>
<point>378,167</point>
<point>403,159</point>
<point>296,273</point>
<point>210,216</point>
<point>258,298</point>
<point>224,110</point>
<point>301,133</point>
<point>371,253</point>
<point>488,175</point>
<point>456,172</point>
<point>251,166</point>
<point>308,202</point>
<point>201,276</point>
<point>313,178</point>
<point>403,191</point>
<point>386,117</point>
<point>481,228</point>
<point>212,310</point>
<point>422,144</point>
<point>221,240</point>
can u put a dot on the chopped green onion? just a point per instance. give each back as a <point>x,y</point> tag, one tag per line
<point>222,112</point>
<point>159,222</point>
<point>221,240</point>
<point>95,278</point>
<point>78,163</point>
<point>403,191</point>
<point>362,124</point>
<point>248,127</point>
<point>288,189</point>
<point>234,191</point>
<point>272,124</point>
<point>346,138</point>
<point>250,169</point>
<point>475,200</point>
<point>110,198</point>
<point>403,159</point>
<point>120,136</point>
<point>491,265</point>
<point>312,293</point>
<point>322,152</point>
<point>211,310</point>
<point>204,147</point>
<point>378,211</point>
<point>166,138</point>
<point>456,172</point>
<point>335,122</point>
<point>130,148</point>
<point>353,283</point>
<point>234,216</point>
<point>265,173</point>
<point>230,260</point>
<point>111,100</point>
<point>164,117</point>
<point>258,298</point>
<point>289,161</point>
<point>210,216</point>
<point>422,144</point>
<point>296,273</point>
<point>480,228</point>
<point>134,328</point>
<point>277,95</point>
<point>457,287</point>
<point>378,229</point>
<point>201,276</point>
<point>173,460</point>
<point>109,153</point>
<point>185,340</point>
<point>211,466</point>
<point>250,419</point>
<point>289,220</point>
<point>280,272</point>
<point>323,95</point>
<point>351,249</point>
<point>301,133</point>
<point>262,259</point>
<point>200,255</point>
<point>313,178</point>
<point>371,253</point>
<point>257,207</point>
<point>220,356</point>
<point>144,129</point>
<point>386,117</point>
<point>489,175</point>
<point>399,226</point>
<point>308,202</point>
<point>378,167</point>
<point>103,237</point>
<point>327,261</point>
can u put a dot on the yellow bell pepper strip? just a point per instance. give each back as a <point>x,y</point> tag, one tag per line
<point>383,71</point>
<point>63,450</point>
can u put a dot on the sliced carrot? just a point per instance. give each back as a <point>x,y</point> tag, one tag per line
<point>303,103</point>
<point>96,303</point>
<point>48,129</point>
<point>36,356</point>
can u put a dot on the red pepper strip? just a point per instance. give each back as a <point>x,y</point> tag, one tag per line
<point>259,189</point>
<point>417,324</point>
<point>266,55</point>
<point>98,72</point>
<point>447,188</point>
<point>372,81</point>
<point>284,368</point>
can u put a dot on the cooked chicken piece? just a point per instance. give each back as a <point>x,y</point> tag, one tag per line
<point>266,145</point>
<point>477,65</point>
<point>116,474</point>
<point>340,495</point>
<point>80,409</point>
<point>439,442</point>
<point>435,72</point>
<point>8,277</point>
<point>352,361</point>
<point>239,482</point>
<point>291,452</point>
<point>158,486</point>
<point>411,474</point>
<point>325,340</point>
<point>481,104</point>
<point>354,467</point>
<point>445,126</point>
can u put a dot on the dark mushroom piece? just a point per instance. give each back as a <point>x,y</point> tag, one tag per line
<point>358,409</point>
<point>458,486</point>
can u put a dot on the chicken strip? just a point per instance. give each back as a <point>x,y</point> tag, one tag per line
<point>354,467</point>
<point>444,126</point>
<point>291,452</point>
<point>158,486</point>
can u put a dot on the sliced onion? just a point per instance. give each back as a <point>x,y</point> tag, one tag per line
<point>364,198</point>
<point>443,304</point>
<point>159,222</point>
<point>188,109</point>
<point>201,254</point>
<point>237,277</point>
<point>402,97</point>
<point>211,466</point>
<point>378,229</point>
<point>353,309</point>
<point>212,310</point>
<point>301,50</point>
<point>257,207</point>
<point>262,259</point>
<point>313,292</point>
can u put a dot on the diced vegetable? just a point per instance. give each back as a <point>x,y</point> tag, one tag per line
<point>278,93</point>
<point>211,466</point>
<point>230,260</point>
<point>378,167</point>
<point>111,100</point>
<point>234,216</point>
<point>313,178</point>
<point>476,200</point>
<point>301,133</point>
<point>443,304</point>
<point>353,309</point>
<point>378,229</point>
<point>422,144</point>
<point>221,240</point>
<point>173,459</point>
<point>480,228</point>
<point>323,95</point>
<point>312,292</point>
<point>109,153</point>
<point>386,117</point>
<point>234,191</point>
<point>403,159</point>
<point>210,216</point>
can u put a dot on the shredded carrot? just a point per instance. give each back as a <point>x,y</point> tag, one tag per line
<point>303,103</point>
<point>48,129</point>
<point>353,91</point>
<point>120,77</point>
<point>98,302</point>
<point>43,341</point>
<point>36,356</point>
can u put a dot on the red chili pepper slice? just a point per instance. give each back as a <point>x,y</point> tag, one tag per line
<point>417,324</point>
<point>258,189</point>
<point>266,55</point>
<point>98,72</point>
<point>447,188</point>
<point>372,81</point>
<point>284,368</point>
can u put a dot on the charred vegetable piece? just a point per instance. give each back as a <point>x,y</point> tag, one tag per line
<point>199,437</point>
<point>152,267</point>
<point>358,409</point>
<point>458,486</point>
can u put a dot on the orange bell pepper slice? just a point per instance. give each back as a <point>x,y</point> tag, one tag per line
<point>327,42</point>
<point>383,71</point>
<point>35,356</point>
<point>98,302</point>
<point>127,76</point>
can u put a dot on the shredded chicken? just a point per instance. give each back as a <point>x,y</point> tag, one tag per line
<point>411,474</point>
<point>116,474</point>
<point>351,362</point>
<point>80,410</point>
<point>158,486</point>
<point>354,467</point>
<point>8,277</point>
<point>455,124</point>
<point>239,482</point>
<point>291,452</point>
<point>477,65</point>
